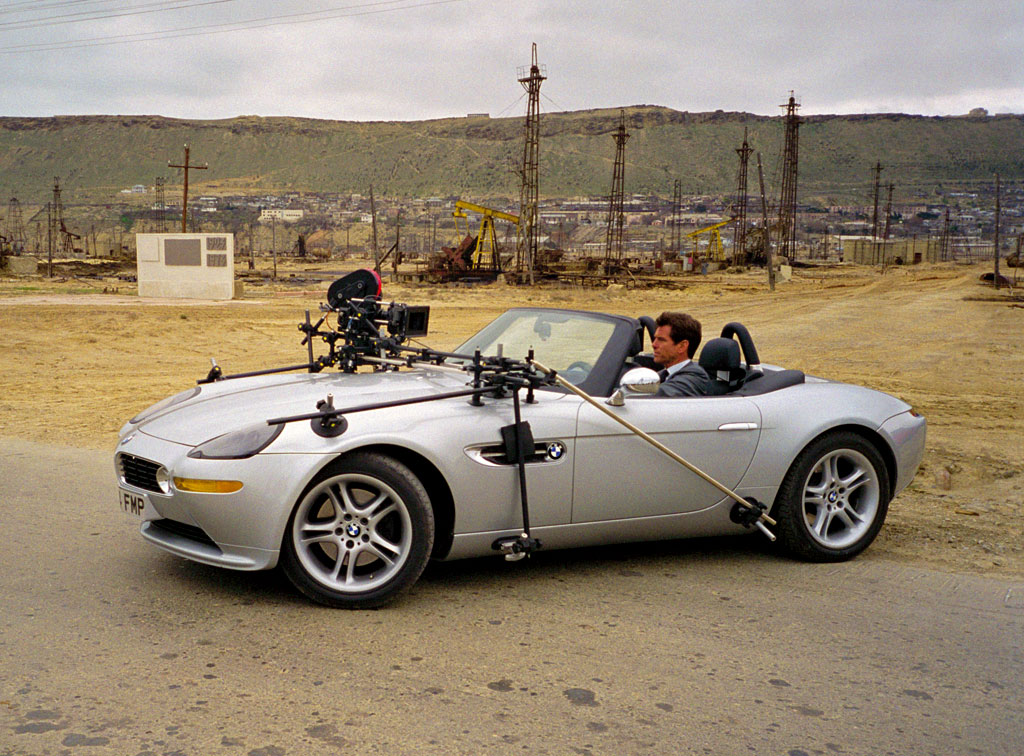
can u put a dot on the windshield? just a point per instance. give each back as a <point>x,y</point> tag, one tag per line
<point>569,342</point>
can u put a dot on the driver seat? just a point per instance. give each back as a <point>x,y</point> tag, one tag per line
<point>720,359</point>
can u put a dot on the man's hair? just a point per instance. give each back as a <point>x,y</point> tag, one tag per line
<point>682,326</point>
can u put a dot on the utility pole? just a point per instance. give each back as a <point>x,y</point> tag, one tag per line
<point>49,240</point>
<point>739,238</point>
<point>616,214</point>
<point>373,223</point>
<point>273,241</point>
<point>397,258</point>
<point>767,233</point>
<point>529,189</point>
<point>184,196</point>
<point>995,251</point>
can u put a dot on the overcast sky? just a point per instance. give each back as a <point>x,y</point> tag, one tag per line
<point>420,59</point>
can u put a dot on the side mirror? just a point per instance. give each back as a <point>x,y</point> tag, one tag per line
<point>637,381</point>
<point>641,380</point>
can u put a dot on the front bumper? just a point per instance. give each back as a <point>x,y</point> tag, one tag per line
<point>241,530</point>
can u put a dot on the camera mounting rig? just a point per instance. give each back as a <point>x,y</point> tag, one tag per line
<point>370,333</point>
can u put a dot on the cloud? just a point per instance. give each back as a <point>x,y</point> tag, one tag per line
<point>433,60</point>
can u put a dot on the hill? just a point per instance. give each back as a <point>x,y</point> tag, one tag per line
<point>476,156</point>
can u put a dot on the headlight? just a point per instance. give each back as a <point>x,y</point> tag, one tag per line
<point>239,444</point>
<point>170,401</point>
<point>163,479</point>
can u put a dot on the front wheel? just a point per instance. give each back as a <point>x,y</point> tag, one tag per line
<point>360,534</point>
<point>834,499</point>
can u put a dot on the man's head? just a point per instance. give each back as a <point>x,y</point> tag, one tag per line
<point>676,338</point>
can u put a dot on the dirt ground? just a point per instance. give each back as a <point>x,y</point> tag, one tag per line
<point>79,355</point>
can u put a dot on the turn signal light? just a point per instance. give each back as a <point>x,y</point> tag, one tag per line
<point>197,485</point>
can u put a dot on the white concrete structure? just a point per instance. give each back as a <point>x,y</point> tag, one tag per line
<point>186,266</point>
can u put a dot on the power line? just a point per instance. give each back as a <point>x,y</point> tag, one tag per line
<point>105,13</point>
<point>360,9</point>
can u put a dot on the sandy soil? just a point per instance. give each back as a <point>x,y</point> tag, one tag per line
<point>75,362</point>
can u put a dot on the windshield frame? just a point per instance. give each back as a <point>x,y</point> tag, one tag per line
<point>622,342</point>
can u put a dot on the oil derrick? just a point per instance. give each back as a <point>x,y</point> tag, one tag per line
<point>677,220</point>
<point>739,239</point>
<point>888,212</point>
<point>65,239</point>
<point>944,248</point>
<point>160,204</point>
<point>787,202</point>
<point>874,217</point>
<point>526,237</point>
<point>15,231</point>
<point>616,215</point>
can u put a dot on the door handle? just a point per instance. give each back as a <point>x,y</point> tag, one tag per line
<point>737,426</point>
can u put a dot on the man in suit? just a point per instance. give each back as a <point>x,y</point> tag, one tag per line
<point>676,338</point>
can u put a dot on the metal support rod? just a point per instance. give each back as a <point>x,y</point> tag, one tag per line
<point>521,464</point>
<point>655,443</point>
<point>382,405</point>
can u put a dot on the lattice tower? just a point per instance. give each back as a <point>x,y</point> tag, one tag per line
<point>739,239</point>
<point>15,231</point>
<point>677,219</point>
<point>160,204</point>
<point>874,216</point>
<point>526,236</point>
<point>790,162</point>
<point>616,214</point>
<point>63,237</point>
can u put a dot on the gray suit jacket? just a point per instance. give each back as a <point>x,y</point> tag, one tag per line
<point>688,381</point>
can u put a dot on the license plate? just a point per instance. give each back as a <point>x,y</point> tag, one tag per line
<point>135,505</point>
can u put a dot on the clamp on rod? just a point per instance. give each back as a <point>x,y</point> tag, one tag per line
<point>762,517</point>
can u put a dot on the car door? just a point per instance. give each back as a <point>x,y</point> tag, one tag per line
<point>619,475</point>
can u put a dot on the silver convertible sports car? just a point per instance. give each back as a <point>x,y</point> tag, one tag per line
<point>540,431</point>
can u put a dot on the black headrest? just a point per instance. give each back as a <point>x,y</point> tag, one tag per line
<point>720,354</point>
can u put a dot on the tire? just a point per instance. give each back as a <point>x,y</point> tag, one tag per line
<point>833,500</point>
<point>360,534</point>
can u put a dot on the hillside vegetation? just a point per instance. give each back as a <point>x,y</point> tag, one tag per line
<point>97,155</point>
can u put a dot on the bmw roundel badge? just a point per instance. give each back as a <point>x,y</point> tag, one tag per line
<point>556,449</point>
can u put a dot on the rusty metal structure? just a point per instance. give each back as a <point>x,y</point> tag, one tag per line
<point>874,217</point>
<point>160,204</point>
<point>14,232</point>
<point>677,221</point>
<point>739,208</point>
<point>526,237</point>
<point>616,214</point>
<point>790,164</point>
<point>58,230</point>
<point>184,198</point>
<point>888,212</point>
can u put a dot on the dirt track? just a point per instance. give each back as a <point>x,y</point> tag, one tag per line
<point>74,365</point>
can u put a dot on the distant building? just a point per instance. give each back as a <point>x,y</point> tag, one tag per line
<point>281,214</point>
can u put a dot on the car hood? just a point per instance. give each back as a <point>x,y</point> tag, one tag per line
<point>226,406</point>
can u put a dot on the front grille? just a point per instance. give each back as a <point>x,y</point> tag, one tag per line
<point>139,472</point>
<point>190,532</point>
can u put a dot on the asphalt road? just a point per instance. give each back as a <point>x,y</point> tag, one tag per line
<point>109,646</point>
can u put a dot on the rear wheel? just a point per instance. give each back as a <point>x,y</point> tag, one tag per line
<point>361,533</point>
<point>834,499</point>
